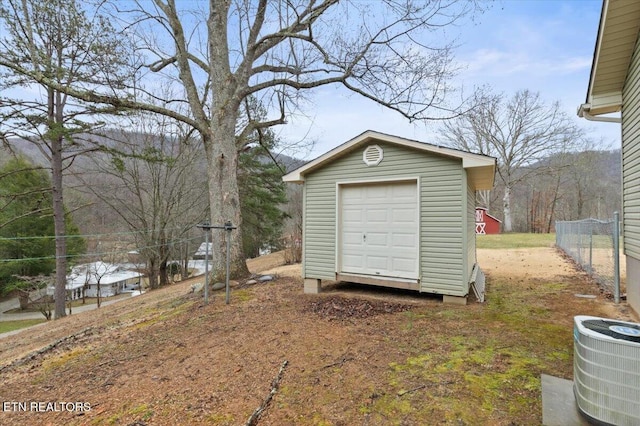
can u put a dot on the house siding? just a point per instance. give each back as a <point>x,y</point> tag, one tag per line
<point>631,177</point>
<point>443,205</point>
<point>631,158</point>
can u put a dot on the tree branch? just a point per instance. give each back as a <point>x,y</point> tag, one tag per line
<point>275,384</point>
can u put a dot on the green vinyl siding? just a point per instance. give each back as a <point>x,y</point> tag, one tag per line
<point>444,213</point>
<point>319,229</point>
<point>631,158</point>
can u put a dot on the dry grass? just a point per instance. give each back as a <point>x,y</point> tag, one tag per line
<point>356,355</point>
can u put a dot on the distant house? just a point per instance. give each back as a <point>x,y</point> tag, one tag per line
<point>74,289</point>
<point>135,257</point>
<point>201,253</point>
<point>614,87</point>
<point>111,278</point>
<point>485,223</point>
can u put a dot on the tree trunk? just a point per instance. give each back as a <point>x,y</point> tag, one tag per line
<point>506,202</point>
<point>552,213</point>
<point>224,199</point>
<point>23,297</point>
<point>163,273</point>
<point>55,135</point>
<point>580,198</point>
<point>59,227</point>
<point>184,270</point>
<point>220,142</point>
<point>152,274</point>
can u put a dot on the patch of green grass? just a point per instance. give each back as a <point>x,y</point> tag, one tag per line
<point>473,373</point>
<point>142,410</point>
<point>162,312</point>
<point>7,326</point>
<point>483,363</point>
<point>33,307</point>
<point>515,240</point>
<point>65,358</point>
<point>242,295</point>
<point>221,419</point>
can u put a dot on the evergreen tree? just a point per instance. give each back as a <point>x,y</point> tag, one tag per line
<point>262,193</point>
<point>27,243</point>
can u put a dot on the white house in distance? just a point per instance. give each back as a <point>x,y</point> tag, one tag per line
<point>614,87</point>
<point>112,279</point>
<point>201,253</point>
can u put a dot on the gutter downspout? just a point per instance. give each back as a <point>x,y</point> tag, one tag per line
<point>584,111</point>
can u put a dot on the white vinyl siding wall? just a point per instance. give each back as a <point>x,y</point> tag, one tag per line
<point>631,158</point>
<point>442,210</point>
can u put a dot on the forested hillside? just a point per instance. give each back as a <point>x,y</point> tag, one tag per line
<point>140,196</point>
<point>563,187</point>
<point>568,186</point>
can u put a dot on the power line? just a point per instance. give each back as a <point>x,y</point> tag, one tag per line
<point>99,254</point>
<point>87,235</point>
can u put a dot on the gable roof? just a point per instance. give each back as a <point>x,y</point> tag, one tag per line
<point>617,36</point>
<point>480,168</point>
<point>486,213</point>
<point>106,273</point>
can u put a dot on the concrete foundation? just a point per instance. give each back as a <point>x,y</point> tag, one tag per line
<point>454,300</point>
<point>633,283</point>
<point>312,286</point>
<point>559,406</point>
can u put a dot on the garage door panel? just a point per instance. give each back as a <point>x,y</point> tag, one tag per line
<point>376,193</point>
<point>409,241</point>
<point>352,238</point>
<point>383,236</point>
<point>377,215</point>
<point>407,190</point>
<point>356,195</point>
<point>401,265</point>
<point>354,263</point>
<point>405,214</point>
<point>352,215</point>
<point>377,239</point>
<point>377,264</point>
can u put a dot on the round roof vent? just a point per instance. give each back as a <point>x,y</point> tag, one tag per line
<point>372,155</point>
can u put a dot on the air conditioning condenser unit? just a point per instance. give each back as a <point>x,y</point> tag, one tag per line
<point>606,370</point>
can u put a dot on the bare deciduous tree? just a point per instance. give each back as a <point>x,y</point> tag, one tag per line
<point>519,132</point>
<point>161,190</point>
<point>221,52</point>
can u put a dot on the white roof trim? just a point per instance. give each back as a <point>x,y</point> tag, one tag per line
<point>469,160</point>
<point>616,38</point>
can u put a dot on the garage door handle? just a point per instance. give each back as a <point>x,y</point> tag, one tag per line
<point>364,238</point>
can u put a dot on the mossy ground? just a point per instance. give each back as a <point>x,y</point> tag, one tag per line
<point>404,359</point>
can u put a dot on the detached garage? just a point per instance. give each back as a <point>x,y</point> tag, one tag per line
<point>389,211</point>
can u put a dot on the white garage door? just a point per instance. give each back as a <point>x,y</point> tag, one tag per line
<point>379,225</point>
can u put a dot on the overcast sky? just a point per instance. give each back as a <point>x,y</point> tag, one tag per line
<point>545,46</point>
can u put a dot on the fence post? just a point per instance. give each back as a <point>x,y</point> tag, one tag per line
<point>590,248</point>
<point>616,257</point>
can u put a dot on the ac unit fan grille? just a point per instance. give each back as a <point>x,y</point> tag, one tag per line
<point>604,327</point>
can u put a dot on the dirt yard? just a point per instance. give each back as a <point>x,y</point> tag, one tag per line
<point>352,355</point>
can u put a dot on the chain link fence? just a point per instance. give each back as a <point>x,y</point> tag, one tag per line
<point>595,245</point>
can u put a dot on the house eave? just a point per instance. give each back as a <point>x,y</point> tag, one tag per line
<point>615,43</point>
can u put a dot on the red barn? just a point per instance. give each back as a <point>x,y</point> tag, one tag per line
<point>485,223</point>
